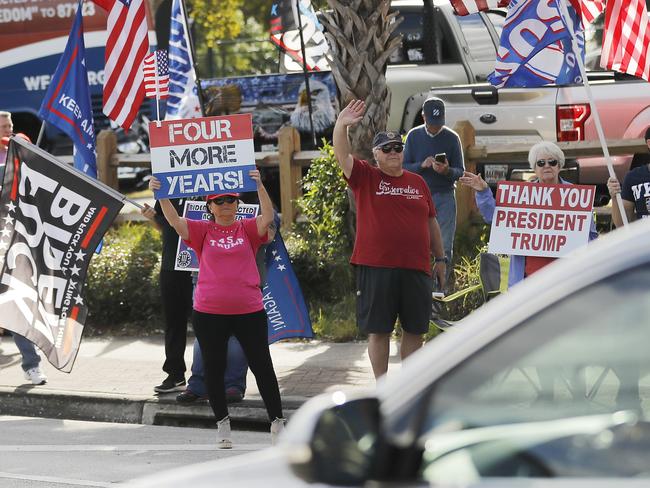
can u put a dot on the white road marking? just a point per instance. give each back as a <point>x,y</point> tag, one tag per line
<point>52,479</point>
<point>128,447</point>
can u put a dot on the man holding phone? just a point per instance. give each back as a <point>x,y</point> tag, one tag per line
<point>433,151</point>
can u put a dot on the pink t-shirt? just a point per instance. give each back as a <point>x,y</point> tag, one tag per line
<point>229,282</point>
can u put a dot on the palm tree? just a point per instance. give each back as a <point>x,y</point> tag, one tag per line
<point>361,35</point>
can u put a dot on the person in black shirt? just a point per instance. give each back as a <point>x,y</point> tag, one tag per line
<point>176,296</point>
<point>635,192</point>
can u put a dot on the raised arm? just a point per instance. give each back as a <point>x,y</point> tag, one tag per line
<point>150,214</point>
<point>176,221</point>
<point>265,218</point>
<point>350,115</point>
<point>484,198</point>
<point>614,187</point>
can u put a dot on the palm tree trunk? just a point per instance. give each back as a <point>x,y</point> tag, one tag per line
<point>361,34</point>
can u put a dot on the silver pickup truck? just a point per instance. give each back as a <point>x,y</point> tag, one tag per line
<point>438,49</point>
<point>552,113</point>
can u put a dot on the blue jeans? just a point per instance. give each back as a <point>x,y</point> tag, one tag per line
<point>445,203</point>
<point>31,359</point>
<point>236,369</point>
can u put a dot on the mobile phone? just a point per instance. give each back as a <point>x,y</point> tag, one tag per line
<point>440,157</point>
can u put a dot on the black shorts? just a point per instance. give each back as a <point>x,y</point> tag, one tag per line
<point>384,294</point>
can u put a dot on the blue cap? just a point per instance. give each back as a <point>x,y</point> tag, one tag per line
<point>434,111</point>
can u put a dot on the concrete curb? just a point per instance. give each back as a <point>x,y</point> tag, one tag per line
<point>32,402</point>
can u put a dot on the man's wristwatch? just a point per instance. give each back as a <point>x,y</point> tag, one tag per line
<point>443,259</point>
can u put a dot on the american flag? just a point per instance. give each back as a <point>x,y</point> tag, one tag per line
<point>126,47</point>
<point>626,38</point>
<point>156,75</point>
<point>590,8</point>
<point>467,7</point>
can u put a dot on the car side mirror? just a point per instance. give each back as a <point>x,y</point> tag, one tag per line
<point>343,447</point>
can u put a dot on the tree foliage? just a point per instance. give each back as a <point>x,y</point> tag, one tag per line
<point>220,19</point>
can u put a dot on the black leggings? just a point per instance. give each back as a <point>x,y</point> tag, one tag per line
<point>176,293</point>
<point>250,329</point>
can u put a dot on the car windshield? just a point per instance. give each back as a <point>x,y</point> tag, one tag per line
<point>562,394</point>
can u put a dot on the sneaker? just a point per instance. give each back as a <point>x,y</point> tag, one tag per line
<point>224,440</point>
<point>188,396</point>
<point>277,426</point>
<point>233,395</point>
<point>170,384</point>
<point>36,376</point>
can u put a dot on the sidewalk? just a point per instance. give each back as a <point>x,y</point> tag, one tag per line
<point>113,379</point>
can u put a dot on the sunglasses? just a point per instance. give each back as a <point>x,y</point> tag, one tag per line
<point>398,148</point>
<point>542,162</point>
<point>226,199</point>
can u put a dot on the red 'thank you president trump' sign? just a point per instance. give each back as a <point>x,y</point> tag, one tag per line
<point>534,219</point>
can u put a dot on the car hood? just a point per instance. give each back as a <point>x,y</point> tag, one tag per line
<point>260,469</point>
<point>269,468</point>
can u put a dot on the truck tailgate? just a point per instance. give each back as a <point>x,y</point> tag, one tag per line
<point>502,116</point>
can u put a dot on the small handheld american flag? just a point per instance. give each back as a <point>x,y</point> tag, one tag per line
<point>156,74</point>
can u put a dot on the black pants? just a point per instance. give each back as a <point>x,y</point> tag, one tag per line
<point>213,332</point>
<point>176,294</point>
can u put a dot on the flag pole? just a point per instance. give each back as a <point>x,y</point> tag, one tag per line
<point>306,73</point>
<point>41,133</point>
<point>564,13</point>
<point>190,47</point>
<point>156,87</point>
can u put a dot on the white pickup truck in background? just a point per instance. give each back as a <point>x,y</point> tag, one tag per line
<point>551,113</point>
<point>439,49</point>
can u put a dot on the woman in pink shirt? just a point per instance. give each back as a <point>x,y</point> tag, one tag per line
<point>228,298</point>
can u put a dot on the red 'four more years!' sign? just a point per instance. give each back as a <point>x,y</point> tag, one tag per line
<point>534,219</point>
<point>202,156</point>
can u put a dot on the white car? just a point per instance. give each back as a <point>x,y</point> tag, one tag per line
<point>542,387</point>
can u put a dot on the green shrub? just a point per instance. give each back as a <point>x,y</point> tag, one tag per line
<point>335,321</point>
<point>320,243</point>
<point>122,281</point>
<point>470,240</point>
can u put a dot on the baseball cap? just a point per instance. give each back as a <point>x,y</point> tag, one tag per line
<point>212,197</point>
<point>434,111</point>
<point>383,138</point>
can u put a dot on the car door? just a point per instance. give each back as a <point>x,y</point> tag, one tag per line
<point>564,394</point>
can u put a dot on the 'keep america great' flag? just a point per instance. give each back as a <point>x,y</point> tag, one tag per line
<point>52,218</point>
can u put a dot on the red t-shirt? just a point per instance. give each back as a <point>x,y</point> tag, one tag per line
<point>535,263</point>
<point>229,282</point>
<point>393,215</point>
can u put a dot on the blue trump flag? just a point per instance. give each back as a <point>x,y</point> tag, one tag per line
<point>535,47</point>
<point>283,301</point>
<point>183,100</point>
<point>67,101</point>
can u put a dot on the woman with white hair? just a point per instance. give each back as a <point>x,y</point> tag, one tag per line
<point>546,160</point>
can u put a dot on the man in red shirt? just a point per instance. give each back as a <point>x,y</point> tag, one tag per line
<point>397,233</point>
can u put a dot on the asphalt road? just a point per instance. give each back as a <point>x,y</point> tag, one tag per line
<point>41,453</point>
